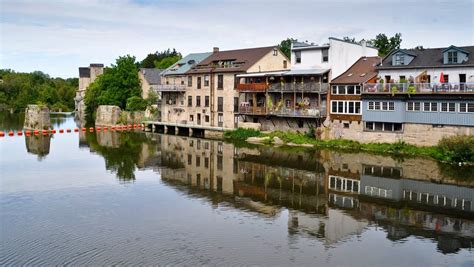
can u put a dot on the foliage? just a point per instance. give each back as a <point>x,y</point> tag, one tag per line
<point>241,134</point>
<point>285,46</point>
<point>459,148</point>
<point>152,98</point>
<point>118,83</point>
<point>166,62</point>
<point>19,89</point>
<point>385,44</point>
<point>150,60</point>
<point>136,103</point>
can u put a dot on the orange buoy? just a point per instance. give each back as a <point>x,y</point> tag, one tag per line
<point>61,131</point>
<point>27,132</point>
<point>20,133</point>
<point>105,128</point>
<point>76,130</point>
<point>45,132</point>
<point>130,126</point>
<point>68,130</point>
<point>84,129</point>
<point>91,129</point>
<point>2,134</point>
<point>36,132</point>
<point>98,128</point>
<point>53,131</point>
<point>11,133</point>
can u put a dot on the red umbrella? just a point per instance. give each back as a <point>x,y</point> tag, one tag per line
<point>441,78</point>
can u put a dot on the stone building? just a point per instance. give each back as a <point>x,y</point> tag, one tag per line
<point>150,78</point>
<point>87,75</point>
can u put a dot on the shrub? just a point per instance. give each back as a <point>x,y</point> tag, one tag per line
<point>241,134</point>
<point>136,103</point>
<point>459,148</point>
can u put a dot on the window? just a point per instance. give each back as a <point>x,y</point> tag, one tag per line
<point>466,107</point>
<point>220,120</point>
<point>350,90</point>
<point>190,159</point>
<point>206,101</point>
<point>446,78</point>
<point>191,117</point>
<point>285,64</point>
<point>345,107</point>
<point>399,59</point>
<point>325,54</point>
<point>206,80</point>
<point>220,81</point>
<point>452,57</point>
<point>190,81</point>
<point>236,104</point>
<point>275,52</point>
<point>371,105</point>
<point>297,57</point>
<point>430,106</point>
<point>206,162</point>
<point>198,101</point>
<point>334,90</point>
<point>381,105</point>
<point>220,104</point>
<point>206,118</point>
<point>220,162</point>
<point>413,106</point>
<point>198,82</point>
<point>402,78</point>
<point>198,161</point>
<point>190,101</point>
<point>383,127</point>
<point>448,107</point>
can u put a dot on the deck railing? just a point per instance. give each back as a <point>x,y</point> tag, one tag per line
<point>411,88</point>
<point>171,88</point>
<point>286,112</point>
<point>299,87</point>
<point>252,87</point>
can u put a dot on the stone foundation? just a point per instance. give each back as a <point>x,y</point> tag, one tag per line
<point>415,134</point>
<point>298,125</point>
<point>107,115</point>
<point>37,118</point>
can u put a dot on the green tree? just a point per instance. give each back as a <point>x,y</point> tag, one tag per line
<point>285,46</point>
<point>166,62</point>
<point>150,60</point>
<point>385,44</point>
<point>117,84</point>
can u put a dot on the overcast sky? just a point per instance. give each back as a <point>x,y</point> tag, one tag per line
<point>57,37</point>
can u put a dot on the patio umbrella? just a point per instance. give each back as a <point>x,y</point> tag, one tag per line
<point>441,78</point>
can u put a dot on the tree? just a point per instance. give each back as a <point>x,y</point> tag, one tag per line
<point>166,62</point>
<point>285,46</point>
<point>385,45</point>
<point>117,84</point>
<point>150,60</point>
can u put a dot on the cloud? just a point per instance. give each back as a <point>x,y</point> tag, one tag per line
<point>58,37</point>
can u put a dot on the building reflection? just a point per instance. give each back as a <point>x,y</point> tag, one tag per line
<point>38,145</point>
<point>329,196</point>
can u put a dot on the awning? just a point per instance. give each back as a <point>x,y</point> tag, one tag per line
<point>262,74</point>
<point>306,72</point>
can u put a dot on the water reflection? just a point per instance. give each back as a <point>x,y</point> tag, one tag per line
<point>38,145</point>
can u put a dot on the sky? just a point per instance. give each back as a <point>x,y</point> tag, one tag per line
<point>57,37</point>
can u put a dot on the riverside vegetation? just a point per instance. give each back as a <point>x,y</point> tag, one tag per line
<point>454,150</point>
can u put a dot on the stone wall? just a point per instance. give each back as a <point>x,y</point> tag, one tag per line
<point>107,115</point>
<point>415,134</point>
<point>37,118</point>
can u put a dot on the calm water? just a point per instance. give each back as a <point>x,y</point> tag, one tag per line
<point>142,198</point>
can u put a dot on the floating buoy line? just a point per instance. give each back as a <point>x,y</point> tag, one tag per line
<point>68,130</point>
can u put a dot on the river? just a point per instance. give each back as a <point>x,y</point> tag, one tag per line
<point>136,198</point>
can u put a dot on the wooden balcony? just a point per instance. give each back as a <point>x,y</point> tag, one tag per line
<point>252,110</point>
<point>252,87</point>
<point>421,88</point>
<point>171,88</point>
<point>310,87</point>
<point>309,112</point>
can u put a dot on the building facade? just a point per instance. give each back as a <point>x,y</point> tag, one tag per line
<point>87,75</point>
<point>150,79</point>
<point>421,96</point>
<point>296,100</point>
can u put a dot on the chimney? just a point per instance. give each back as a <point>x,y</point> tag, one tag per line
<point>215,49</point>
<point>363,43</point>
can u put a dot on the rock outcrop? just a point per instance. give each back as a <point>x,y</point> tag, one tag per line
<point>37,118</point>
<point>107,115</point>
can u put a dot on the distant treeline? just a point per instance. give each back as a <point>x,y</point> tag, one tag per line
<point>18,89</point>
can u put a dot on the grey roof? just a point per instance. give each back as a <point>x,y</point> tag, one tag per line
<point>428,58</point>
<point>185,64</point>
<point>152,75</point>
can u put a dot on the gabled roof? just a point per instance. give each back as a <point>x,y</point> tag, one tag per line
<point>152,76</point>
<point>185,64</point>
<point>360,72</point>
<point>242,60</point>
<point>427,58</point>
<point>456,48</point>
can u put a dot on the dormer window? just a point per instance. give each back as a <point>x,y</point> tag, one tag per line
<point>399,59</point>
<point>452,57</point>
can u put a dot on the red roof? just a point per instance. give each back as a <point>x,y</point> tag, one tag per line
<point>360,72</point>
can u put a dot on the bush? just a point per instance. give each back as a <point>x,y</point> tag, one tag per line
<point>136,103</point>
<point>458,148</point>
<point>241,134</point>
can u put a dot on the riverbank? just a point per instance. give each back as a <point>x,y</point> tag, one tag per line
<point>453,150</point>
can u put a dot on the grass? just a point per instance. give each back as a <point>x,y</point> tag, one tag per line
<point>457,149</point>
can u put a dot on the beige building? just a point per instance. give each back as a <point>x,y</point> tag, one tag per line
<point>87,75</point>
<point>206,97</point>
<point>150,78</point>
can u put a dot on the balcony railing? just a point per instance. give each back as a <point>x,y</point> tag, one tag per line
<point>311,112</point>
<point>252,87</point>
<point>171,88</point>
<point>412,88</point>
<point>312,87</point>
